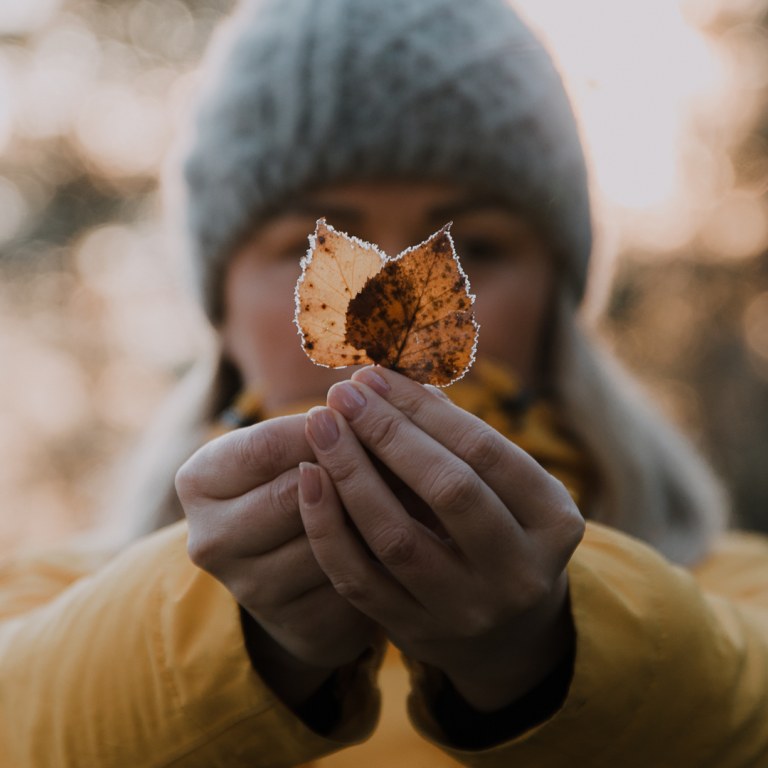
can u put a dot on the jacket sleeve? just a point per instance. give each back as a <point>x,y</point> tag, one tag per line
<point>671,666</point>
<point>142,663</point>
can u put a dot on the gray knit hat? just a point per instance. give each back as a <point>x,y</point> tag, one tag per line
<point>304,93</point>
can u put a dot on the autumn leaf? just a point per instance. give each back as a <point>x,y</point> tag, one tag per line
<point>415,315</point>
<point>334,270</point>
<point>412,313</point>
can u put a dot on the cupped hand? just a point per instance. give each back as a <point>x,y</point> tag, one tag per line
<point>240,496</point>
<point>480,591</point>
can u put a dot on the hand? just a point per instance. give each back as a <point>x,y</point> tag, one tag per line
<point>240,496</point>
<point>481,592</point>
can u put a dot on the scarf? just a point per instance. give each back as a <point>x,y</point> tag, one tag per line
<point>492,392</point>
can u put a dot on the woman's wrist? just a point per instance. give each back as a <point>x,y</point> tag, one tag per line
<point>508,667</point>
<point>293,681</point>
<point>467,728</point>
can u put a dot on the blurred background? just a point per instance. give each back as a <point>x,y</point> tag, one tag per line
<point>94,326</point>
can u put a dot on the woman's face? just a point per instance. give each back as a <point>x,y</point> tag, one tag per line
<point>510,270</point>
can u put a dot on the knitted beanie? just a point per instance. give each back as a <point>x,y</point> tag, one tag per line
<point>305,93</point>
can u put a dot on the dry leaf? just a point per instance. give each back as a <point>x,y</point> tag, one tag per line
<point>412,313</point>
<point>334,270</point>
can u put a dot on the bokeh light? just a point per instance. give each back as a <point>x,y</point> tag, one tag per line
<point>631,87</point>
<point>19,18</point>
<point>661,101</point>
<point>15,210</point>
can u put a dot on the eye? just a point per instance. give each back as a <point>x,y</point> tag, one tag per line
<point>482,249</point>
<point>293,250</point>
<point>283,239</point>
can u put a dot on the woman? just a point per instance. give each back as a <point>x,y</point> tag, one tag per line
<point>350,515</point>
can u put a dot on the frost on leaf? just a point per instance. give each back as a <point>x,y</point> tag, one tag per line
<point>412,313</point>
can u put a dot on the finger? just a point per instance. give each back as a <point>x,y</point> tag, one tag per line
<point>320,627</point>
<point>353,573</point>
<point>411,552</point>
<point>268,582</point>
<point>476,519</point>
<point>260,520</point>
<point>534,496</point>
<point>235,463</point>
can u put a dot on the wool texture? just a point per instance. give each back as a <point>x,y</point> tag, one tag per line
<point>300,94</point>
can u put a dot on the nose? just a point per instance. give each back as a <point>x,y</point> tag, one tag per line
<point>392,246</point>
<point>393,237</point>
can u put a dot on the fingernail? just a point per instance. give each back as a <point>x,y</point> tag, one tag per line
<point>373,379</point>
<point>347,398</point>
<point>310,484</point>
<point>323,428</point>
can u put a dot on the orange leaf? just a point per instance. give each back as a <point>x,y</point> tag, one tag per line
<point>413,314</point>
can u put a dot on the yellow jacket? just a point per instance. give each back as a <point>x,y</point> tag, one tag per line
<point>140,663</point>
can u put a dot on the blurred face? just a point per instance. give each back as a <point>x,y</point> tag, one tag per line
<point>509,268</point>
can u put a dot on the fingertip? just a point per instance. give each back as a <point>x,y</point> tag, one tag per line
<point>372,377</point>
<point>321,427</point>
<point>310,483</point>
<point>347,397</point>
